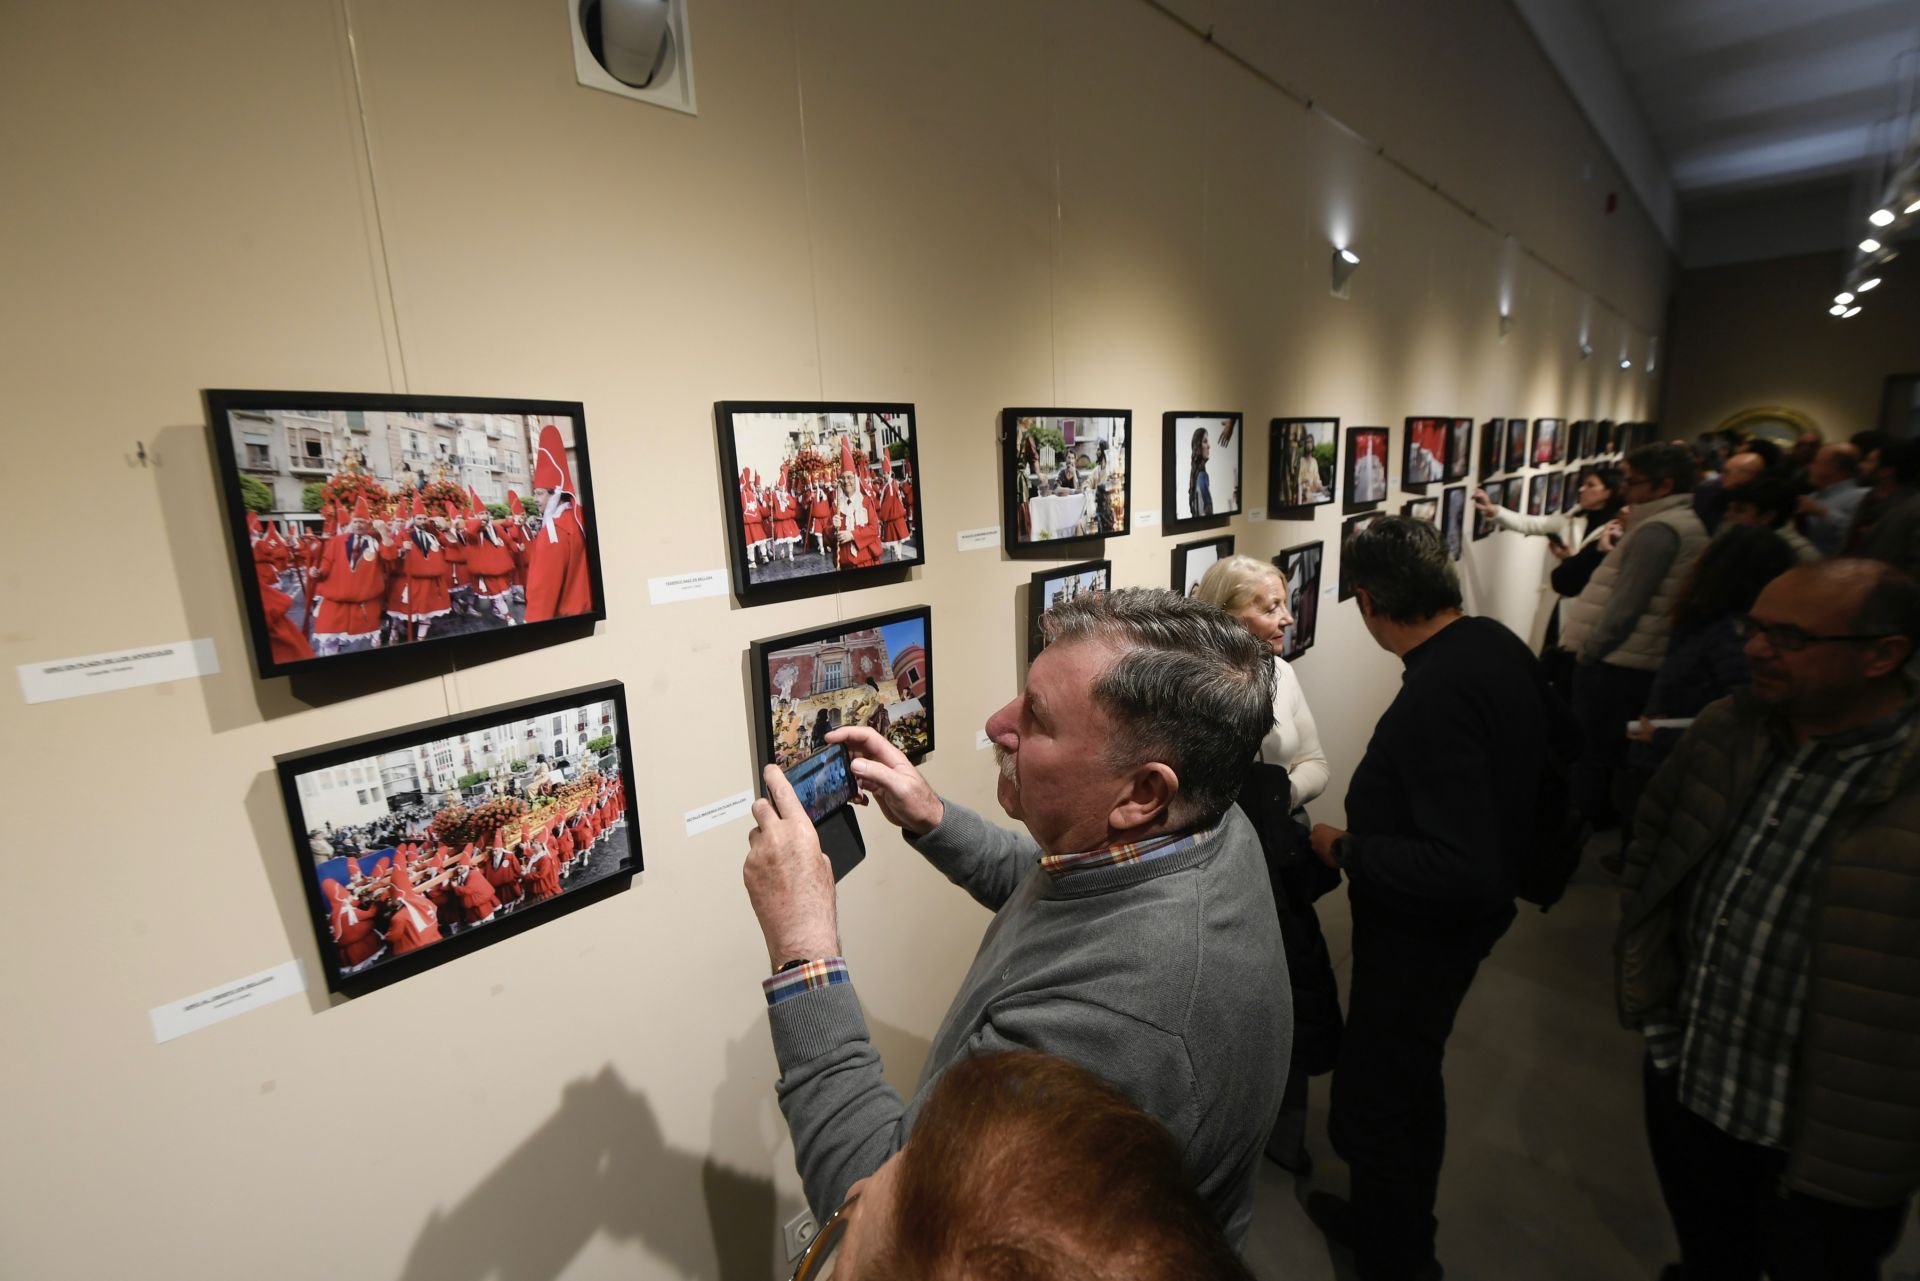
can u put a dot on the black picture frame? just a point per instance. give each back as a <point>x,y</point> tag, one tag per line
<point>1100,517</point>
<point>1299,478</point>
<point>1514,496</point>
<point>1348,528</point>
<point>1517,454</point>
<point>1459,450</point>
<point>401,755</point>
<point>1424,453</point>
<point>1556,485</point>
<point>1180,436</point>
<point>1492,439</point>
<point>1537,494</point>
<point>1453,518</point>
<point>1570,493</point>
<point>1547,442</point>
<point>1301,569</point>
<point>1191,560</point>
<point>1366,451</point>
<point>1603,438</point>
<point>853,694</point>
<point>1088,575</point>
<point>1484,523</point>
<point>811,442</point>
<point>329,440</point>
<point>1579,439</point>
<point>1427,509</point>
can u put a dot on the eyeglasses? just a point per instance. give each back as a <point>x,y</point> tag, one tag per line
<point>814,1264</point>
<point>1785,638</point>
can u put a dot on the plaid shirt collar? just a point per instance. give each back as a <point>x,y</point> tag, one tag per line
<point>1136,852</point>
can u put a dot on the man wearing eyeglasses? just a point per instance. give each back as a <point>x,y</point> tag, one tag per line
<point>1769,948</point>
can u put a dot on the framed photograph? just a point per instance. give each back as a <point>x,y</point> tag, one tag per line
<point>1423,453</point>
<point>1514,494</point>
<point>1459,450</point>
<point>1300,567</point>
<point>1051,586</point>
<point>1556,486</point>
<point>1516,444</point>
<point>1200,461</point>
<point>1492,439</point>
<point>1366,466</point>
<point>363,523</point>
<point>1302,457</point>
<point>1570,495</point>
<point>1427,509</point>
<point>1066,474</point>
<point>875,671</point>
<point>1348,528</point>
<point>1483,523</point>
<point>421,844</point>
<point>1192,560</point>
<point>1537,495</point>
<point>1453,519</point>
<point>1547,441</point>
<point>1582,436</point>
<point>819,494</point>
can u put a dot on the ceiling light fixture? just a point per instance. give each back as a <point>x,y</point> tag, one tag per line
<point>1869,246</point>
<point>1850,312</point>
<point>1345,262</point>
<point>1843,297</point>
<point>1865,285</point>
<point>1912,208</point>
<point>1881,217</point>
<point>1838,309</point>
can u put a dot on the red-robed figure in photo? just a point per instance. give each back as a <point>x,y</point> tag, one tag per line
<point>415,923</point>
<point>515,533</point>
<point>893,513</point>
<point>285,642</point>
<point>490,561</point>
<point>540,877</point>
<point>820,517</point>
<point>558,584</point>
<point>503,872</point>
<point>475,892</point>
<point>350,586</point>
<point>856,528</point>
<point>351,925</point>
<point>419,559</point>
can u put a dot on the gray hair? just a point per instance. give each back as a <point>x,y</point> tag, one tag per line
<point>1191,688</point>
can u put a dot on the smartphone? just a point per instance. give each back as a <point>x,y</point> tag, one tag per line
<point>823,782</point>
<point>1555,540</point>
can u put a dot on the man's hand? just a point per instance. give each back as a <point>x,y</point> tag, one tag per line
<point>884,770</point>
<point>789,881</point>
<point>1482,503</point>
<point>1610,534</point>
<point>1322,839</point>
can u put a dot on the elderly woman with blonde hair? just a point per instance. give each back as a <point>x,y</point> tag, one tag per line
<point>1289,771</point>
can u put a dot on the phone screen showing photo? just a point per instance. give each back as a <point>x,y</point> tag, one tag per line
<point>823,782</point>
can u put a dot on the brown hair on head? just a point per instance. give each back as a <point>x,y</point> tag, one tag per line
<point>1025,1167</point>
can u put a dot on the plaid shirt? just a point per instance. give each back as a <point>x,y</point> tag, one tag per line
<point>1114,855</point>
<point>1749,934</point>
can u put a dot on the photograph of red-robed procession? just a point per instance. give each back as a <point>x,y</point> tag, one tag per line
<point>420,845</point>
<point>365,523</point>
<point>818,492</point>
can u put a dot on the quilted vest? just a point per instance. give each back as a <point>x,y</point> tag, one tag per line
<point>1646,645</point>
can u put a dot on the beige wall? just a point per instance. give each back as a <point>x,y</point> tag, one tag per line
<point>963,206</point>
<point>1758,334</point>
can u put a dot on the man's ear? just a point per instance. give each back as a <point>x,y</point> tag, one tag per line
<point>1149,794</point>
<point>1365,601</point>
<point>1887,656</point>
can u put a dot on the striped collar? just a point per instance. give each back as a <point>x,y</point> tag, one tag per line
<point>1137,852</point>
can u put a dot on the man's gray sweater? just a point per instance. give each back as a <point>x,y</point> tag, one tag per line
<point>1165,976</point>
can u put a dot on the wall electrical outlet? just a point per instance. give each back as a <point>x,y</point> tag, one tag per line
<point>800,1231</point>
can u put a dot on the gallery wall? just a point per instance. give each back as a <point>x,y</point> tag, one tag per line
<point>1754,334</point>
<point>966,207</point>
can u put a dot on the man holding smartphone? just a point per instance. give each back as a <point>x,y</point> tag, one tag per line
<point>1134,928</point>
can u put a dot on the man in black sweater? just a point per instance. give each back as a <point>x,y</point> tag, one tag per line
<point>1441,822</point>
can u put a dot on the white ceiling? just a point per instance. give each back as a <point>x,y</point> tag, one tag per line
<point>1759,94</point>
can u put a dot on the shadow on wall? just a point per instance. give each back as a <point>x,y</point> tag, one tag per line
<point>600,1164</point>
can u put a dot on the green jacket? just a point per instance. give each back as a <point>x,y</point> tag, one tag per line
<point>1855,1127</point>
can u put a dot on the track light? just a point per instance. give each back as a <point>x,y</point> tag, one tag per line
<point>1850,312</point>
<point>1865,285</point>
<point>1881,217</point>
<point>1506,324</point>
<point>1912,208</point>
<point>1345,262</point>
<point>1586,349</point>
<point>1838,309</point>
<point>1843,297</point>
<point>1869,246</point>
<point>1625,363</point>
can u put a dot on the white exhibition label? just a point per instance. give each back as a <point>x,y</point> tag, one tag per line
<point>979,540</point>
<point>117,669</point>
<point>677,587</point>
<point>1258,513</point>
<point>1148,516</point>
<point>718,813</point>
<point>980,740</point>
<point>204,1009</point>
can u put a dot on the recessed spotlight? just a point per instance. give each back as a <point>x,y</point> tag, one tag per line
<point>1625,363</point>
<point>1881,217</point>
<point>1869,246</point>
<point>1912,208</point>
<point>1865,285</point>
<point>1843,297</point>
<point>1838,309</point>
<point>1350,257</point>
<point>1850,312</point>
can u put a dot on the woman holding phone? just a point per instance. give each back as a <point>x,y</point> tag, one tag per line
<point>1579,540</point>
